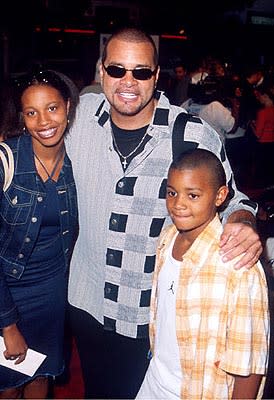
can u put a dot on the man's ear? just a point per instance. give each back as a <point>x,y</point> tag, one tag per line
<point>101,72</point>
<point>221,195</point>
<point>157,75</point>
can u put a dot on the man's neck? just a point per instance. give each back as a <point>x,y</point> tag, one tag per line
<point>130,122</point>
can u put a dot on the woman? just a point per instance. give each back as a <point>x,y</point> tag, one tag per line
<point>38,229</point>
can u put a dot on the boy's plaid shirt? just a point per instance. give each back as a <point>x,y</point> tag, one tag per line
<point>222,318</point>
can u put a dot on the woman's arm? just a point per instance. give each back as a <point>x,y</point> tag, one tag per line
<point>16,347</point>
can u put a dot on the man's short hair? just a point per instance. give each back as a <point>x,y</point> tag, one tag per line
<point>133,35</point>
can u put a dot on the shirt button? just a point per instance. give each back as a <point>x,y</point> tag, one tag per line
<point>39,198</point>
<point>20,255</point>
<point>114,221</point>
<point>33,219</point>
<point>121,184</point>
<point>27,239</point>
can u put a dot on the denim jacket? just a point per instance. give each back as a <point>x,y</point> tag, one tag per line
<point>21,211</point>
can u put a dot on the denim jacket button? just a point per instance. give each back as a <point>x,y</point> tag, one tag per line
<point>14,271</point>
<point>33,219</point>
<point>21,255</point>
<point>14,200</point>
<point>27,239</point>
<point>39,198</point>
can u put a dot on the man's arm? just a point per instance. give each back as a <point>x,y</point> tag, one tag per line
<point>240,237</point>
<point>246,387</point>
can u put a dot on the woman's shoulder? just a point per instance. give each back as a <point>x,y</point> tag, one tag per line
<point>15,141</point>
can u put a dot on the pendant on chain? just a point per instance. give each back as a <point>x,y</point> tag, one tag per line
<point>124,162</point>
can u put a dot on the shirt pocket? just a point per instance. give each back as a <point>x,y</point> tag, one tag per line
<point>16,205</point>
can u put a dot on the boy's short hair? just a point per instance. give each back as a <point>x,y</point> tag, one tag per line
<point>201,158</point>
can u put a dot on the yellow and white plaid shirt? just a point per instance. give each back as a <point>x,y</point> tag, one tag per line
<point>222,317</point>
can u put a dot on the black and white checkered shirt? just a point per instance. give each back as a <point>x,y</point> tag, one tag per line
<point>122,213</point>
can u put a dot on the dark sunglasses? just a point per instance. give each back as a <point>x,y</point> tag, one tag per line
<point>141,74</point>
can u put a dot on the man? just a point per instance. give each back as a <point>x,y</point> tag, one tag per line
<point>177,92</point>
<point>121,149</point>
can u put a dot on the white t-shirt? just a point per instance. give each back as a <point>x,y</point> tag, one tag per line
<point>164,376</point>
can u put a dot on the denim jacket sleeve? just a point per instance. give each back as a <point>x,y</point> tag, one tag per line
<point>8,310</point>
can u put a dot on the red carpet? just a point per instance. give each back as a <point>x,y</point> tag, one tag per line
<point>73,389</point>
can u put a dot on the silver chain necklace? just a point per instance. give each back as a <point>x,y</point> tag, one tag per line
<point>124,162</point>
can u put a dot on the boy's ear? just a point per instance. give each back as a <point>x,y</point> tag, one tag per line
<point>221,195</point>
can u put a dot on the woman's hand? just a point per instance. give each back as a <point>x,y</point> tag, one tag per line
<point>16,347</point>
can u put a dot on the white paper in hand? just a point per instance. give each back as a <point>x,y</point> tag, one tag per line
<point>29,366</point>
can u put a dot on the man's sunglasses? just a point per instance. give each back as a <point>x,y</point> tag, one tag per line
<point>141,74</point>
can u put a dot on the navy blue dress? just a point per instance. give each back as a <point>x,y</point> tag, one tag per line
<point>40,296</point>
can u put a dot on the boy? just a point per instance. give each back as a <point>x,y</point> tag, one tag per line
<point>209,322</point>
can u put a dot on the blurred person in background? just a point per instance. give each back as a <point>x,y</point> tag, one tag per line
<point>208,101</point>
<point>177,91</point>
<point>263,127</point>
<point>95,86</point>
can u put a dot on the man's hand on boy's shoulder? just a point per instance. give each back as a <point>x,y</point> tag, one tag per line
<point>240,237</point>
